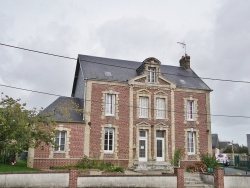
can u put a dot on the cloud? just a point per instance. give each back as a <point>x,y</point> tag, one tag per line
<point>135,39</point>
<point>38,71</point>
<point>230,61</point>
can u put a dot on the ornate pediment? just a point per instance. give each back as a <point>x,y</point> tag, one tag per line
<point>141,79</point>
<point>160,93</point>
<point>152,61</point>
<point>143,91</point>
<point>149,75</point>
<point>161,125</point>
<point>143,124</point>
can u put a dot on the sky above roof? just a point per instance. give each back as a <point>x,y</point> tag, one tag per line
<point>217,34</point>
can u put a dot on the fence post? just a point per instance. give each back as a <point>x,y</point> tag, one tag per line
<point>218,178</point>
<point>180,177</point>
<point>73,175</point>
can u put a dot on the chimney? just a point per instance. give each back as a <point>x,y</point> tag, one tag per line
<point>185,62</point>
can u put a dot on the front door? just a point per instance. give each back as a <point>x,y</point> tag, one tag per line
<point>160,145</point>
<point>143,146</point>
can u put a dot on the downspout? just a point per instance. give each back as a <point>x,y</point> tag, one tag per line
<point>84,91</point>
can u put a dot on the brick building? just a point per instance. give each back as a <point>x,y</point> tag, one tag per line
<point>132,112</point>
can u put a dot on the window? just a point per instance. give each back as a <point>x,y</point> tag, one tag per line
<point>60,141</point>
<point>190,110</point>
<point>143,107</point>
<point>110,105</point>
<point>151,74</point>
<point>160,108</point>
<point>191,142</point>
<point>109,140</point>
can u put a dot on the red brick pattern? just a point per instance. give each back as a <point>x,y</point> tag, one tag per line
<point>180,177</point>
<point>42,153</point>
<point>218,178</point>
<point>47,163</point>
<point>180,125</point>
<point>97,121</point>
<point>73,175</point>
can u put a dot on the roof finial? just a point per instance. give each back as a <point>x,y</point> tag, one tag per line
<point>183,46</point>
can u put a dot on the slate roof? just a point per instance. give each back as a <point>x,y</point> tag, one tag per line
<point>63,110</point>
<point>105,69</point>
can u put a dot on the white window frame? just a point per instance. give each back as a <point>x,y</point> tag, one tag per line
<point>109,130</point>
<point>57,148</point>
<point>191,136</point>
<point>151,74</point>
<point>160,107</point>
<point>143,107</point>
<point>110,104</point>
<point>191,110</point>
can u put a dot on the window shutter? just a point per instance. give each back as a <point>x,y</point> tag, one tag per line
<point>191,142</point>
<point>107,103</point>
<point>190,110</point>
<point>160,108</point>
<point>113,103</point>
<point>143,106</point>
<point>110,104</point>
<point>146,107</point>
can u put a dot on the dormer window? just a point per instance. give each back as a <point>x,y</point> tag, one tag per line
<point>151,74</point>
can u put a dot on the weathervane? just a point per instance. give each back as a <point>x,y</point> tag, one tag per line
<point>183,46</point>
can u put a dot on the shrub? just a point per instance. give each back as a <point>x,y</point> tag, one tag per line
<point>209,161</point>
<point>85,162</point>
<point>177,157</point>
<point>191,168</point>
<point>114,169</point>
<point>200,166</point>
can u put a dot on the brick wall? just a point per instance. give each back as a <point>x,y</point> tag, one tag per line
<point>219,178</point>
<point>180,177</point>
<point>98,120</point>
<point>47,163</point>
<point>45,157</point>
<point>152,121</point>
<point>73,175</point>
<point>200,124</point>
<point>122,123</point>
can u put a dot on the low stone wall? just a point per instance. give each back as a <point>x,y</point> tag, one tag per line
<point>128,181</point>
<point>207,178</point>
<point>73,179</point>
<point>236,181</point>
<point>56,180</point>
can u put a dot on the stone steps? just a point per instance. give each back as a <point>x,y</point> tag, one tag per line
<point>194,181</point>
<point>157,166</point>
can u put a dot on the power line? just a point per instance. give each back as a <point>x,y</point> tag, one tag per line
<point>34,91</point>
<point>71,58</point>
<point>66,57</point>
<point>125,104</point>
<point>36,51</point>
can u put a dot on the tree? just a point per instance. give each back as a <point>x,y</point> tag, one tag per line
<point>21,128</point>
<point>237,149</point>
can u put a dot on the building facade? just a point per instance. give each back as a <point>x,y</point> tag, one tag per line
<point>132,112</point>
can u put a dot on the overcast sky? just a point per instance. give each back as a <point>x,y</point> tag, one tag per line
<point>217,34</point>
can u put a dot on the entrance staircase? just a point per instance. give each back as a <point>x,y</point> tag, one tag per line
<point>193,180</point>
<point>153,166</point>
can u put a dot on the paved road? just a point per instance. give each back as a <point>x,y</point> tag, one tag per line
<point>232,171</point>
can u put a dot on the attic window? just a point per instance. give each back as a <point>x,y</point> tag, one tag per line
<point>183,81</point>
<point>151,74</point>
<point>108,74</point>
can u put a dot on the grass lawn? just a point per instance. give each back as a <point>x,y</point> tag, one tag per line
<point>21,166</point>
